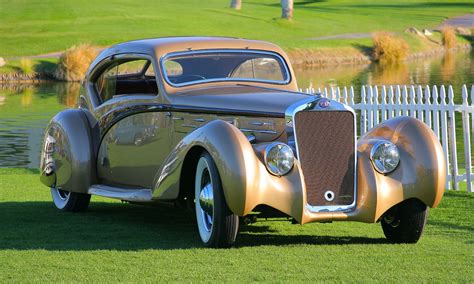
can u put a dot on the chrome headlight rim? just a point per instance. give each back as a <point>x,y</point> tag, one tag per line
<point>380,168</point>
<point>271,168</point>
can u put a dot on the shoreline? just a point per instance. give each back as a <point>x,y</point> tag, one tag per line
<point>300,59</point>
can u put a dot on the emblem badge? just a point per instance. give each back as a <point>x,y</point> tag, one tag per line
<point>323,103</point>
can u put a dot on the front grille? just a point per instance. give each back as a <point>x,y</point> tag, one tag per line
<point>326,153</point>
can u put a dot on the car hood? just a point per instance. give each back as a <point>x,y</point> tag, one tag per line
<point>239,98</point>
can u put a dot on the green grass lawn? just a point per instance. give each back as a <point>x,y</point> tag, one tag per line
<point>41,26</point>
<point>115,241</point>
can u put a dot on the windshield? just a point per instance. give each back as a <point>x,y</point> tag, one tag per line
<point>205,66</point>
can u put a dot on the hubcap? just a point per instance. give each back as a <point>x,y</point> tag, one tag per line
<point>64,195</point>
<point>391,220</point>
<point>204,200</point>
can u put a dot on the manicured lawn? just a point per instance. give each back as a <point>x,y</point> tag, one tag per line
<point>115,241</point>
<point>41,26</point>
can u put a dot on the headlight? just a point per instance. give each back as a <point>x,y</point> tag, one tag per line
<point>385,157</point>
<point>279,158</point>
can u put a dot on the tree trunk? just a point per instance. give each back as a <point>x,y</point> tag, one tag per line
<point>236,4</point>
<point>287,9</point>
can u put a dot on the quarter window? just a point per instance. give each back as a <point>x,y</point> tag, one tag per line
<point>124,78</point>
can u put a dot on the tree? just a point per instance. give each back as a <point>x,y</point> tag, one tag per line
<point>287,9</point>
<point>236,4</point>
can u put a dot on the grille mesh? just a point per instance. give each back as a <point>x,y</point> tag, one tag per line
<point>326,148</point>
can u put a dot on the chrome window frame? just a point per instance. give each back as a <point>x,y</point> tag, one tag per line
<point>286,70</point>
<point>311,104</point>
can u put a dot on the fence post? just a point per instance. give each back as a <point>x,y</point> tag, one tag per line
<point>419,106</point>
<point>436,112</point>
<point>428,107</point>
<point>352,95</point>
<point>412,103</point>
<point>405,101</point>
<point>376,105</point>
<point>467,137</point>
<point>384,103</point>
<point>363,112</point>
<point>452,137</point>
<point>390,102</point>
<point>370,105</point>
<point>444,132</point>
<point>344,94</point>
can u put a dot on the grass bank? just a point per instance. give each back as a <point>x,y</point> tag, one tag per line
<point>38,27</point>
<point>129,243</point>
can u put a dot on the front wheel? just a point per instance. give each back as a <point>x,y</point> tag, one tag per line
<point>217,225</point>
<point>70,201</point>
<point>404,222</point>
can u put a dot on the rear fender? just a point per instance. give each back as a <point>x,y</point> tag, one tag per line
<point>69,151</point>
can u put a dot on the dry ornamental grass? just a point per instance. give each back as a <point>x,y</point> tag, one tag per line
<point>449,38</point>
<point>74,62</point>
<point>388,48</point>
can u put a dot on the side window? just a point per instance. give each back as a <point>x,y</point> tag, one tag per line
<point>106,84</point>
<point>124,78</point>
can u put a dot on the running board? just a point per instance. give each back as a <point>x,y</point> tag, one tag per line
<point>131,194</point>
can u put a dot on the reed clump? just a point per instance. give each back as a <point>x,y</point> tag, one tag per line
<point>26,66</point>
<point>388,48</point>
<point>449,38</point>
<point>73,63</point>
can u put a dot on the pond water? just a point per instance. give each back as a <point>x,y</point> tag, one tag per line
<point>26,109</point>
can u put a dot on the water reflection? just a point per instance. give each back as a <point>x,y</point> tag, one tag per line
<point>451,69</point>
<point>25,110</point>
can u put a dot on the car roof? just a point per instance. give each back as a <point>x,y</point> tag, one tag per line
<point>157,47</point>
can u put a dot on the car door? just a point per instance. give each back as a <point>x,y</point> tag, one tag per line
<point>136,140</point>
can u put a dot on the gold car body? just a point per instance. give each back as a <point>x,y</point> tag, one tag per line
<point>226,119</point>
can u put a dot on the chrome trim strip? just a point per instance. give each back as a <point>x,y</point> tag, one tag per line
<point>258,131</point>
<point>284,64</point>
<point>311,104</point>
<point>261,123</point>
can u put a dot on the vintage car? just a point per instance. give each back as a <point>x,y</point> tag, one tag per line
<point>218,125</point>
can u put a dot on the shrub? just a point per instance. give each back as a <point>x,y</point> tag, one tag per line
<point>449,38</point>
<point>26,66</point>
<point>388,48</point>
<point>73,63</point>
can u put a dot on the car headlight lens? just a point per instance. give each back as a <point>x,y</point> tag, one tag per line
<point>279,158</point>
<point>385,157</point>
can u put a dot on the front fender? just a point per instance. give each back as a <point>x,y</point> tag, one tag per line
<point>421,173</point>
<point>245,180</point>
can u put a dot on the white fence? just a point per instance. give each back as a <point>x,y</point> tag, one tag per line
<point>433,105</point>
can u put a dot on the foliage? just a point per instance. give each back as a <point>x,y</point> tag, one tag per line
<point>116,241</point>
<point>389,49</point>
<point>73,63</point>
<point>449,38</point>
<point>26,66</point>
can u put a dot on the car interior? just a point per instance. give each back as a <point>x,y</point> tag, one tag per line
<point>127,78</point>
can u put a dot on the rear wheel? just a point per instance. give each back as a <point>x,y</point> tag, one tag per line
<point>404,223</point>
<point>217,225</point>
<point>70,201</point>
